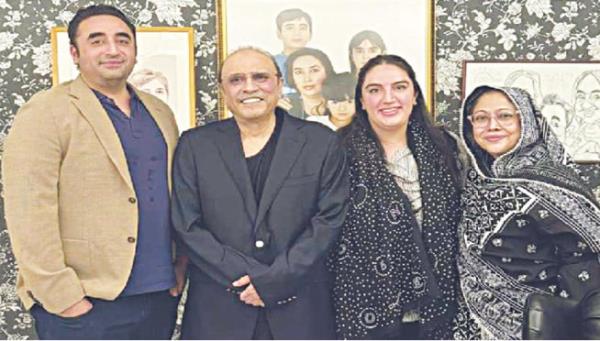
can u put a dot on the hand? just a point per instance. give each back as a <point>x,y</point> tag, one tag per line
<point>249,295</point>
<point>80,308</point>
<point>284,103</point>
<point>180,271</point>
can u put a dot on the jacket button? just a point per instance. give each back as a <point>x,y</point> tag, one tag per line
<point>131,239</point>
<point>259,244</point>
<point>132,200</point>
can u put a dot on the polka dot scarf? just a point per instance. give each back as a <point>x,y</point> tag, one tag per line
<point>384,264</point>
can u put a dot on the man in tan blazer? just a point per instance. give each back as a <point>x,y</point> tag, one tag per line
<point>86,173</point>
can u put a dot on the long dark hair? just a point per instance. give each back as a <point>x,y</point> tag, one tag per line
<point>307,51</point>
<point>373,37</point>
<point>419,113</point>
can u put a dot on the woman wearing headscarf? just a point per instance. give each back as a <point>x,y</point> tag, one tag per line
<point>395,266</point>
<point>530,232</point>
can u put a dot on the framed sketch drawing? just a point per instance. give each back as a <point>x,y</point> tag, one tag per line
<point>166,72</point>
<point>346,34</point>
<point>567,94</point>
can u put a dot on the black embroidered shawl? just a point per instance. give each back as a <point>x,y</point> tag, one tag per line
<point>535,179</point>
<point>384,264</point>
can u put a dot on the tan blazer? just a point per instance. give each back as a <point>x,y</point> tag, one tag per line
<point>70,205</point>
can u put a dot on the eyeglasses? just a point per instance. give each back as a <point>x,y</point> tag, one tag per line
<point>505,118</point>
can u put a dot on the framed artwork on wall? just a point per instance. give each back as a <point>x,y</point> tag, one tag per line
<point>344,33</point>
<point>566,93</point>
<point>166,72</point>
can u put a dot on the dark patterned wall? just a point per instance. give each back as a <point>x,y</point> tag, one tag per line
<point>541,30</point>
<point>465,30</point>
<point>25,68</point>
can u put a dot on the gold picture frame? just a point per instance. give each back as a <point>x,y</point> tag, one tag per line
<point>406,27</point>
<point>172,65</point>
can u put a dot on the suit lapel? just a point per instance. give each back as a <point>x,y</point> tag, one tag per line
<point>230,148</point>
<point>89,106</point>
<point>288,148</point>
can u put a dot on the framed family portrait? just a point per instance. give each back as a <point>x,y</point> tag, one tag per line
<point>334,37</point>
<point>166,72</point>
<point>566,93</point>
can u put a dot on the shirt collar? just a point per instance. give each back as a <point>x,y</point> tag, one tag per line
<point>105,99</point>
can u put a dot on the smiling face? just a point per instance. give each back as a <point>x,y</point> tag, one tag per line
<point>556,115</point>
<point>250,85</point>
<point>494,137</point>
<point>309,74</point>
<point>587,98</point>
<point>105,51</point>
<point>388,97</point>
<point>363,52</point>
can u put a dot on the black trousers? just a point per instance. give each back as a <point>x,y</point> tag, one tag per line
<point>262,331</point>
<point>146,316</point>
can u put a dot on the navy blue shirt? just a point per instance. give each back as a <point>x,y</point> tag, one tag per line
<point>146,153</point>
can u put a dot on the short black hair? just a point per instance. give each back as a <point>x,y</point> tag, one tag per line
<point>292,14</point>
<point>92,11</point>
<point>339,87</point>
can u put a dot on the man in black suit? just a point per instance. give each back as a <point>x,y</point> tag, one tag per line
<point>258,202</point>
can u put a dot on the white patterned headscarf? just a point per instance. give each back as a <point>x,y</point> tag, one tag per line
<point>536,179</point>
<point>538,155</point>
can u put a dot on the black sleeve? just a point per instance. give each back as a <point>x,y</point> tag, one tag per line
<point>290,269</point>
<point>221,262</point>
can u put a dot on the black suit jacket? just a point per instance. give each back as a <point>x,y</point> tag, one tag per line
<point>281,242</point>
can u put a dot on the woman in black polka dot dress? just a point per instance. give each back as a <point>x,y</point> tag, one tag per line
<point>395,265</point>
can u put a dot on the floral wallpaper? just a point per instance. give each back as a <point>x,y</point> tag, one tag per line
<point>465,30</point>
<point>25,68</point>
<point>540,30</point>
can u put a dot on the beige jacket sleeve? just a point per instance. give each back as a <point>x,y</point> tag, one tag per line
<point>31,168</point>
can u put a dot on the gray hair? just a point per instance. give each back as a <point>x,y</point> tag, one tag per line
<point>250,48</point>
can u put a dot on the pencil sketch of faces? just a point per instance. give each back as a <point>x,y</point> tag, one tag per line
<point>583,138</point>
<point>527,80</point>
<point>558,113</point>
<point>587,96</point>
<point>575,119</point>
